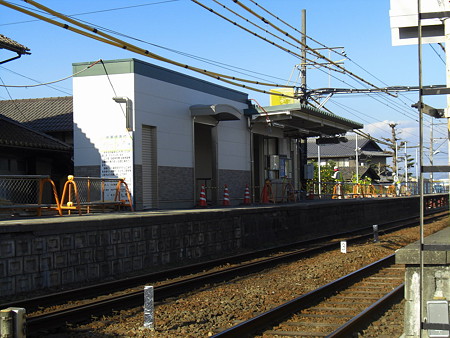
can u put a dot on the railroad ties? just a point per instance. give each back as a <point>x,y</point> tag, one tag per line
<point>338,309</point>
<point>332,313</point>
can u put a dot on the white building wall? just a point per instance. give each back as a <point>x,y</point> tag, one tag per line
<point>161,99</point>
<point>234,145</point>
<point>166,106</point>
<point>96,114</point>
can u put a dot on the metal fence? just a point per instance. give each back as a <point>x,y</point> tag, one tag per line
<point>28,193</point>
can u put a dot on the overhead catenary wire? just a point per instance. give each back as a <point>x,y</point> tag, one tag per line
<point>376,99</point>
<point>254,33</point>
<point>254,24</point>
<point>313,51</point>
<point>292,27</point>
<point>195,57</point>
<point>312,39</point>
<point>326,47</point>
<point>122,44</point>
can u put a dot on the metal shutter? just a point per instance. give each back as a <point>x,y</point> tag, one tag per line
<point>149,168</point>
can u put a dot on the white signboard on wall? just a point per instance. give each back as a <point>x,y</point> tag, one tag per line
<point>116,154</point>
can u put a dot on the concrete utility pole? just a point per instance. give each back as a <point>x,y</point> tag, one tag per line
<point>431,152</point>
<point>303,59</point>
<point>356,158</point>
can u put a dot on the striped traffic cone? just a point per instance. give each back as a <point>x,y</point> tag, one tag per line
<point>202,201</point>
<point>226,196</point>
<point>247,195</point>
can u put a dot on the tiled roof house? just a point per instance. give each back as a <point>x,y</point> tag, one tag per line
<point>343,155</point>
<point>51,115</point>
<point>36,137</point>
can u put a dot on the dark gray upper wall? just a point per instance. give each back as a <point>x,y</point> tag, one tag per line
<point>124,66</point>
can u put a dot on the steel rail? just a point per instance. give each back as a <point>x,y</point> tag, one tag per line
<point>360,321</point>
<point>279,313</point>
<point>95,308</point>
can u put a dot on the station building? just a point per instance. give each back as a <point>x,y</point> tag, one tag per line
<point>168,134</point>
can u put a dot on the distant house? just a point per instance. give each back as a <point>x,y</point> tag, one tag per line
<point>24,151</point>
<point>51,115</point>
<point>371,158</point>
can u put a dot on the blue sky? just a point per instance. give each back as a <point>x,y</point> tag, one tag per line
<point>361,27</point>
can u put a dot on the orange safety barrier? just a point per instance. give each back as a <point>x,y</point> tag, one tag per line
<point>337,191</point>
<point>356,190</point>
<point>391,191</point>
<point>71,199</point>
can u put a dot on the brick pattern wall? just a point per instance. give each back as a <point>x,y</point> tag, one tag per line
<point>175,187</point>
<point>53,260</point>
<point>62,251</point>
<point>236,181</point>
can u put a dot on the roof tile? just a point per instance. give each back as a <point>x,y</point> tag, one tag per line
<point>49,114</point>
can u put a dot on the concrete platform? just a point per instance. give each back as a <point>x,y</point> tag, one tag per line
<point>61,251</point>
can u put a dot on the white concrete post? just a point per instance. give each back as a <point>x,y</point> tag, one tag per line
<point>149,318</point>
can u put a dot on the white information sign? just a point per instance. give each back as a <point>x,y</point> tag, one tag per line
<point>117,162</point>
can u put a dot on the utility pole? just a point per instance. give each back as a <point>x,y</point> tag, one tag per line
<point>406,165</point>
<point>431,153</point>
<point>303,87</point>
<point>356,158</point>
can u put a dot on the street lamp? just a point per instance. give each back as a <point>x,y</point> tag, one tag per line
<point>129,111</point>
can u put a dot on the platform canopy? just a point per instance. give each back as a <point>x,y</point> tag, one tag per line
<point>300,120</point>
<point>220,112</point>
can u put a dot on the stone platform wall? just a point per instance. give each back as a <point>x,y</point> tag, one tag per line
<point>62,251</point>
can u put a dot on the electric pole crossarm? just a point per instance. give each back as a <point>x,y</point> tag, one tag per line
<point>436,169</point>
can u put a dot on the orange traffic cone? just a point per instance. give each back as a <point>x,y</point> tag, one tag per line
<point>247,195</point>
<point>226,196</point>
<point>202,201</point>
<point>266,192</point>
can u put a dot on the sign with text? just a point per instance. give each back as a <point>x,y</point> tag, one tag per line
<point>116,155</point>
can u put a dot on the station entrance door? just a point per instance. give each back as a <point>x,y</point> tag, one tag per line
<point>205,144</point>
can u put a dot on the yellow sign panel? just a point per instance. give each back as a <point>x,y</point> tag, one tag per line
<point>276,100</point>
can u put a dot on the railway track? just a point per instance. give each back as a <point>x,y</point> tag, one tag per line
<point>337,309</point>
<point>84,311</point>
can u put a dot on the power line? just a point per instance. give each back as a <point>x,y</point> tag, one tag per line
<point>308,48</point>
<point>209,61</point>
<point>37,81</point>
<point>94,12</point>
<point>254,33</point>
<point>14,102</point>
<point>51,82</point>
<point>121,44</point>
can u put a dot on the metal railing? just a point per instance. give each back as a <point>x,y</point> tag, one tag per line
<point>91,193</point>
<point>28,193</point>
